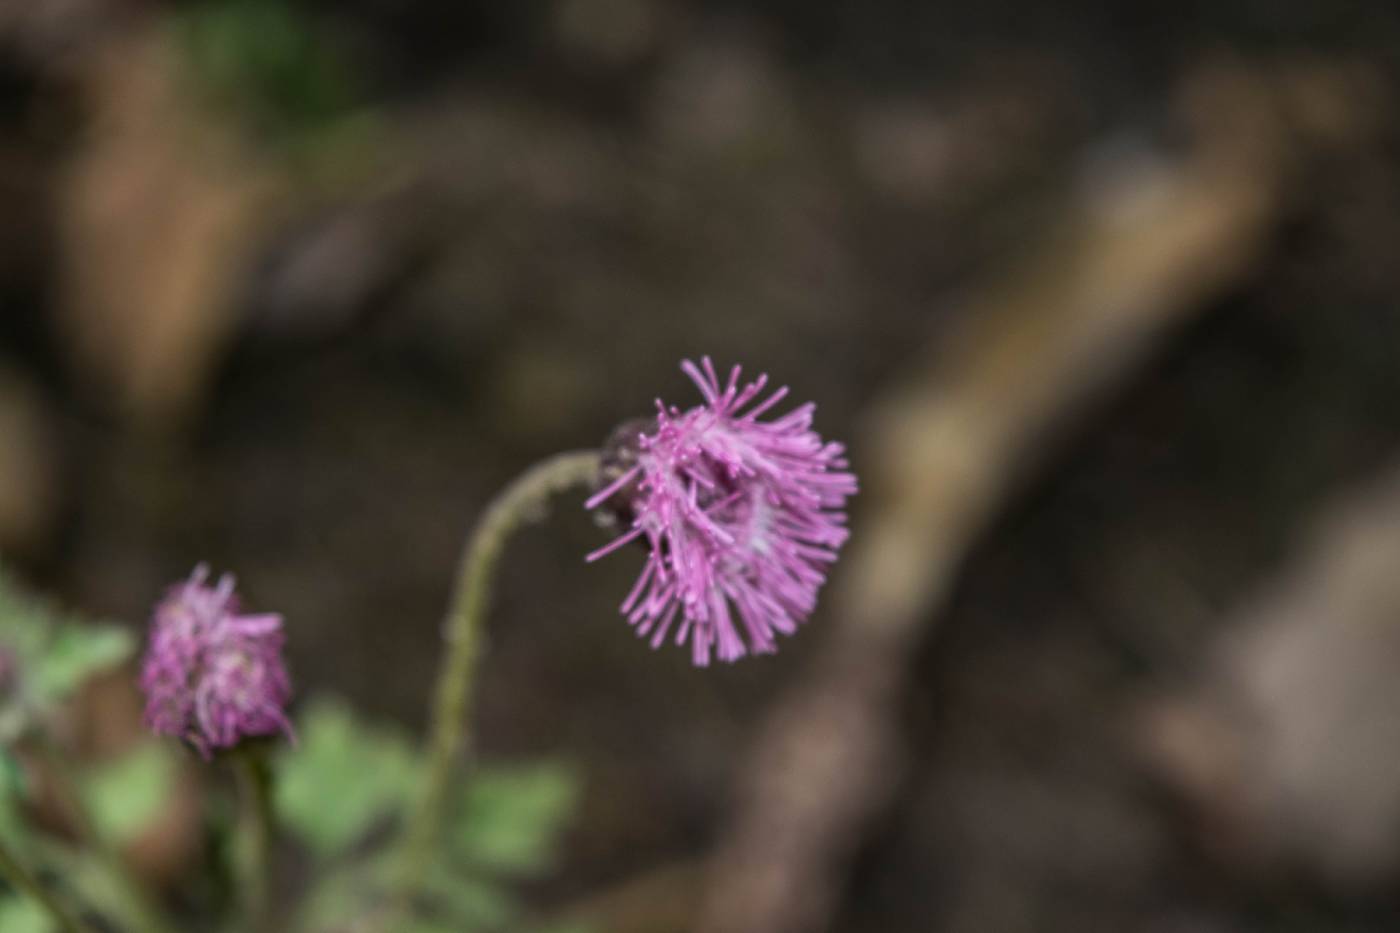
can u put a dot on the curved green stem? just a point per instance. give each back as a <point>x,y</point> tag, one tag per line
<point>517,504</point>
<point>14,873</point>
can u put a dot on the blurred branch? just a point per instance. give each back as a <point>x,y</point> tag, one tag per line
<point>1288,747</point>
<point>159,217</point>
<point>1143,253</point>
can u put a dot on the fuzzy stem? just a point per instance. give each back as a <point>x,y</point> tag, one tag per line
<point>255,802</point>
<point>517,504</point>
<point>21,879</point>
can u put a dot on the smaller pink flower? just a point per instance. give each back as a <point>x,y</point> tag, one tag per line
<point>211,675</point>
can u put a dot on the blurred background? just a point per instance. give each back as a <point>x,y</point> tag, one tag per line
<point>1103,297</point>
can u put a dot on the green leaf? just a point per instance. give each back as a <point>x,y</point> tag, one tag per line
<point>508,821</point>
<point>46,654</point>
<point>511,817</point>
<point>126,795</point>
<point>470,902</point>
<point>343,778</point>
<point>22,915</point>
<point>453,904</point>
<point>75,653</point>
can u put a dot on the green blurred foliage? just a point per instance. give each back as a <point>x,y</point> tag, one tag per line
<point>46,654</point>
<point>13,788</point>
<point>346,777</point>
<point>467,903</point>
<point>343,778</point>
<point>511,817</point>
<point>21,915</point>
<point>75,653</point>
<point>269,61</point>
<point>126,795</point>
<point>507,824</point>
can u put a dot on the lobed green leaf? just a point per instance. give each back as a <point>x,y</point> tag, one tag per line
<point>126,795</point>
<point>343,778</point>
<point>511,817</point>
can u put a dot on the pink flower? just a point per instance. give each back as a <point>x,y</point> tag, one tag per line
<point>741,517</point>
<point>212,676</point>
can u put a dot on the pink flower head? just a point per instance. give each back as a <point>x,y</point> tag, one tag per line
<point>741,517</point>
<point>212,676</point>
